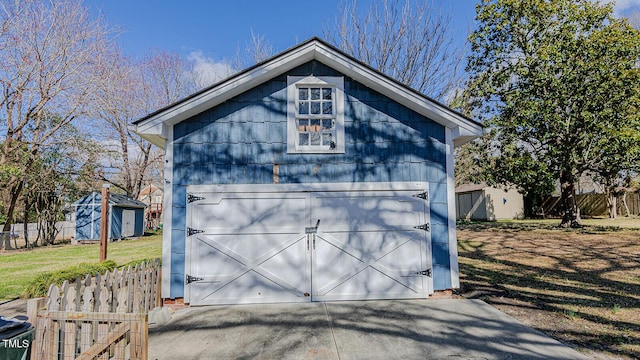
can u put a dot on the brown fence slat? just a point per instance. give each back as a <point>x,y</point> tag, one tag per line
<point>111,337</point>
<point>593,204</point>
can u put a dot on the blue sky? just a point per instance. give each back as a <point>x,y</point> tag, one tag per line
<point>212,31</point>
<point>218,28</point>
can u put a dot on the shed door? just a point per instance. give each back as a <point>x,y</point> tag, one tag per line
<point>128,223</point>
<point>367,246</point>
<point>256,247</point>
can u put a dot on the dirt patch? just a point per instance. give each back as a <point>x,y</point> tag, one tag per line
<point>581,287</point>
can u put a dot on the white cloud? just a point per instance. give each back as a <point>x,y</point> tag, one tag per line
<point>621,7</point>
<point>206,71</point>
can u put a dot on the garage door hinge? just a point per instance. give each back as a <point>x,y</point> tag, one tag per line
<point>191,198</point>
<point>423,196</point>
<point>424,272</point>
<point>424,227</point>
<point>191,279</point>
<point>192,231</point>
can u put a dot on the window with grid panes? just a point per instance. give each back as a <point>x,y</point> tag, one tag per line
<point>315,115</point>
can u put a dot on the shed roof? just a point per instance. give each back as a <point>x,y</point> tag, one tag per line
<point>114,200</point>
<point>155,126</point>
<point>470,187</point>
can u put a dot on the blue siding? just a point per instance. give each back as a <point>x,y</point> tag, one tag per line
<point>139,226</point>
<point>83,223</point>
<point>116,222</point>
<point>238,142</point>
<point>88,217</point>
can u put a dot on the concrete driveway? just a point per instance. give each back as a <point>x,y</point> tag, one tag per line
<point>398,329</point>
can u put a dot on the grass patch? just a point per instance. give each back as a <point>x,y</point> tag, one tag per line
<point>40,284</point>
<point>581,286</point>
<point>590,225</point>
<point>20,268</point>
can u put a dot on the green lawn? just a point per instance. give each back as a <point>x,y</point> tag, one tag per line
<point>599,223</point>
<point>18,268</point>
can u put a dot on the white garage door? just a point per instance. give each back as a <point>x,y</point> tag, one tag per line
<point>297,243</point>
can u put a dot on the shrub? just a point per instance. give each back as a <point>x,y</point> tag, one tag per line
<point>40,284</point>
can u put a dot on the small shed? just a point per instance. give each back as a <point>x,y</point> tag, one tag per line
<point>126,217</point>
<point>486,203</point>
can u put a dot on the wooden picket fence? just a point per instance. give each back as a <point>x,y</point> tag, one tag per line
<point>102,317</point>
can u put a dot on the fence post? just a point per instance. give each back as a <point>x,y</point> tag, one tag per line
<point>104,222</point>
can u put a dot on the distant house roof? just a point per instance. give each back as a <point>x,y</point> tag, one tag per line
<point>155,126</point>
<point>149,190</point>
<point>470,187</point>
<point>114,200</point>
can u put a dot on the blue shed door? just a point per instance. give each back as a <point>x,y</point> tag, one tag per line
<point>299,243</point>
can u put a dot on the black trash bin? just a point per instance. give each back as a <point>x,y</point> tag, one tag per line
<point>15,339</point>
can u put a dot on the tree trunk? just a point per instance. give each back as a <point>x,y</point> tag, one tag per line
<point>624,203</point>
<point>15,194</point>
<point>571,216</point>
<point>26,222</point>
<point>612,203</point>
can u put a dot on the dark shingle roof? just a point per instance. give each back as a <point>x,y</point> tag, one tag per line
<point>125,201</point>
<point>114,200</point>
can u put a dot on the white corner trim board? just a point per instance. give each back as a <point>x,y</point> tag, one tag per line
<point>167,226</point>
<point>451,213</point>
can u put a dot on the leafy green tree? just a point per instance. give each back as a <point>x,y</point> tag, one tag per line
<point>556,80</point>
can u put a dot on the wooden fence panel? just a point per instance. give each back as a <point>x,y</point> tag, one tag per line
<point>593,205</point>
<point>104,317</point>
<point>126,334</point>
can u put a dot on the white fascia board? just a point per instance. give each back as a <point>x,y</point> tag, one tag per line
<point>313,50</point>
<point>400,94</point>
<point>228,89</point>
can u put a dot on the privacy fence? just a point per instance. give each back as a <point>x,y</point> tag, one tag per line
<point>102,317</point>
<point>593,205</point>
<point>15,239</point>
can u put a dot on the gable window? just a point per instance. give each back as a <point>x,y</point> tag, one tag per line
<point>315,114</point>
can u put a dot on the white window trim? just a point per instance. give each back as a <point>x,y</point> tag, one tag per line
<point>336,82</point>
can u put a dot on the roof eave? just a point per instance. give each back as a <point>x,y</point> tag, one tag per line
<point>154,127</point>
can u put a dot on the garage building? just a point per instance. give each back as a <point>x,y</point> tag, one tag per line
<point>308,177</point>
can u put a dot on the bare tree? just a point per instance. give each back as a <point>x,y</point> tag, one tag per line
<point>136,88</point>
<point>255,50</point>
<point>167,77</point>
<point>51,56</point>
<point>408,40</point>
